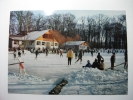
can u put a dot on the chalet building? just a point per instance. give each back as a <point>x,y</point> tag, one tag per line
<point>77,45</point>
<point>37,39</point>
<point>15,41</point>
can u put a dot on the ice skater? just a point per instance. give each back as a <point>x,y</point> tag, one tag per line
<point>23,51</point>
<point>125,64</point>
<point>76,54</point>
<point>70,56</point>
<point>46,50</point>
<point>61,53</point>
<point>79,56</point>
<point>21,67</point>
<point>36,53</point>
<point>92,53</point>
<point>112,60</point>
<point>14,55</point>
<point>19,53</point>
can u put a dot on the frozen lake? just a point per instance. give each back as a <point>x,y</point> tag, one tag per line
<point>46,71</point>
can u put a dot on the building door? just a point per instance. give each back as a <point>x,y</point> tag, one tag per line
<point>48,45</point>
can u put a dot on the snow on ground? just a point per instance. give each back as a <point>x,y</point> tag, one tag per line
<point>91,81</point>
<point>45,72</point>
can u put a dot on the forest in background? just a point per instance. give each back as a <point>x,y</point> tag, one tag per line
<point>100,31</point>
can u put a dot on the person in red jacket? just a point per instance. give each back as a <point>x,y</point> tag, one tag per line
<point>21,66</point>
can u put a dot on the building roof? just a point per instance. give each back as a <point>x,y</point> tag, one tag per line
<point>16,37</point>
<point>74,42</point>
<point>52,40</point>
<point>30,36</point>
<point>34,35</point>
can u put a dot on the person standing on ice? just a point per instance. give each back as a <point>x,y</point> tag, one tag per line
<point>70,56</point>
<point>99,57</point>
<point>80,56</point>
<point>23,51</point>
<point>76,54</point>
<point>36,53</point>
<point>112,60</point>
<point>21,67</point>
<point>92,53</point>
<point>125,64</point>
<point>19,53</point>
<point>46,50</point>
<point>14,54</point>
<point>61,52</point>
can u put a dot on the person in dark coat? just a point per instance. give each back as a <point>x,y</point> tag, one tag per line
<point>46,50</point>
<point>76,54</point>
<point>36,53</point>
<point>125,64</point>
<point>101,66</point>
<point>99,57</point>
<point>92,53</point>
<point>95,64</point>
<point>23,51</point>
<point>80,56</point>
<point>19,53</point>
<point>14,49</point>
<point>112,60</point>
<point>61,52</point>
<point>14,54</point>
<point>88,64</point>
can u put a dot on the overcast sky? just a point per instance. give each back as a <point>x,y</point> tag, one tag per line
<point>86,13</point>
<point>80,13</point>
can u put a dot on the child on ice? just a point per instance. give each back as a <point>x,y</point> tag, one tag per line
<point>21,66</point>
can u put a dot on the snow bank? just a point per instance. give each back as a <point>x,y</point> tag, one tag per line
<point>29,84</point>
<point>90,81</point>
<point>87,81</point>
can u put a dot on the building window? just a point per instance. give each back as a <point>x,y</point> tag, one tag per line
<point>48,43</point>
<point>43,43</point>
<point>22,42</point>
<point>16,42</point>
<point>38,43</point>
<point>56,44</point>
<point>31,42</point>
<point>52,44</point>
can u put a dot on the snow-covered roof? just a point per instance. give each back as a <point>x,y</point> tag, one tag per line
<point>34,35</point>
<point>74,42</point>
<point>17,37</point>
<point>30,36</point>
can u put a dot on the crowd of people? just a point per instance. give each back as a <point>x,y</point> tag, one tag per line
<point>98,62</point>
<point>78,54</point>
<point>17,55</point>
<point>18,51</point>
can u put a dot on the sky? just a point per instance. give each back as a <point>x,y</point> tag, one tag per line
<point>85,13</point>
<point>82,13</point>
